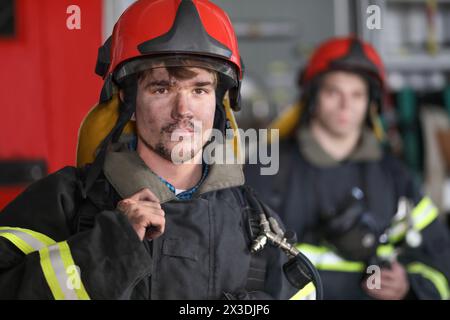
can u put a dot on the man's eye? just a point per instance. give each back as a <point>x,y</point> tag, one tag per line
<point>161,91</point>
<point>200,91</point>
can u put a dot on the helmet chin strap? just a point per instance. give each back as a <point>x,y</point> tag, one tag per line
<point>220,117</point>
<point>126,110</point>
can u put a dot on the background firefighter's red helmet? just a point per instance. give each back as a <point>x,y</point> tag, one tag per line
<point>346,53</point>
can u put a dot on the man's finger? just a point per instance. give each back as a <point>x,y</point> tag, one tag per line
<point>394,271</point>
<point>398,268</point>
<point>387,284</point>
<point>156,228</point>
<point>375,293</point>
<point>125,204</point>
<point>149,204</point>
<point>382,294</point>
<point>153,233</point>
<point>121,206</point>
<point>156,221</point>
<point>145,195</point>
<point>388,275</point>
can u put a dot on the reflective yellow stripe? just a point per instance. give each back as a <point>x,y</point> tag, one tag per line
<point>421,206</point>
<point>49,274</point>
<point>325,259</point>
<point>346,266</point>
<point>307,293</point>
<point>311,248</point>
<point>424,213</point>
<point>18,242</point>
<point>55,259</point>
<point>25,240</point>
<point>398,232</point>
<point>385,251</point>
<point>57,264</point>
<point>68,262</point>
<point>431,216</point>
<point>437,278</point>
<point>38,236</point>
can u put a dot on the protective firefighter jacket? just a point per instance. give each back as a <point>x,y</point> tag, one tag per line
<point>203,253</point>
<point>310,182</point>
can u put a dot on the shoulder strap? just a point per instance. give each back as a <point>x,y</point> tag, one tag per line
<point>258,263</point>
<point>100,196</point>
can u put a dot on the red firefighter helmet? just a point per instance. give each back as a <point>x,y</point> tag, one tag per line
<point>347,53</point>
<point>172,31</point>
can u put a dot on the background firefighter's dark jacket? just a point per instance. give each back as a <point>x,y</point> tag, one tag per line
<point>309,182</point>
<point>203,253</point>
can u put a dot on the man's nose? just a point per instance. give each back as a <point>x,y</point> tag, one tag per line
<point>181,106</point>
<point>345,102</point>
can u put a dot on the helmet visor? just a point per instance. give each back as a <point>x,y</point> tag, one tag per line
<point>181,60</point>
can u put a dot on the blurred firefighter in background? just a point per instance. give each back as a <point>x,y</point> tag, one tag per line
<point>351,203</point>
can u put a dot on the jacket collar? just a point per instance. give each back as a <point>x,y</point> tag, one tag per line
<point>368,149</point>
<point>128,174</point>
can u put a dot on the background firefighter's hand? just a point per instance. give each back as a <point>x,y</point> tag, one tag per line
<point>394,284</point>
<point>144,213</point>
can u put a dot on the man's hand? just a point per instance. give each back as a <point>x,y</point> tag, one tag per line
<point>144,213</point>
<point>394,284</point>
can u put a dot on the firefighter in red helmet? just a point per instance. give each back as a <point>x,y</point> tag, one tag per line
<point>132,223</point>
<point>358,213</point>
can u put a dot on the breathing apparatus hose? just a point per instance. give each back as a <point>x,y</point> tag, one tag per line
<point>270,231</point>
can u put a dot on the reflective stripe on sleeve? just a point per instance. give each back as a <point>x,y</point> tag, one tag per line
<point>61,273</point>
<point>26,240</point>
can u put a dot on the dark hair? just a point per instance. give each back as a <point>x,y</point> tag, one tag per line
<point>178,72</point>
